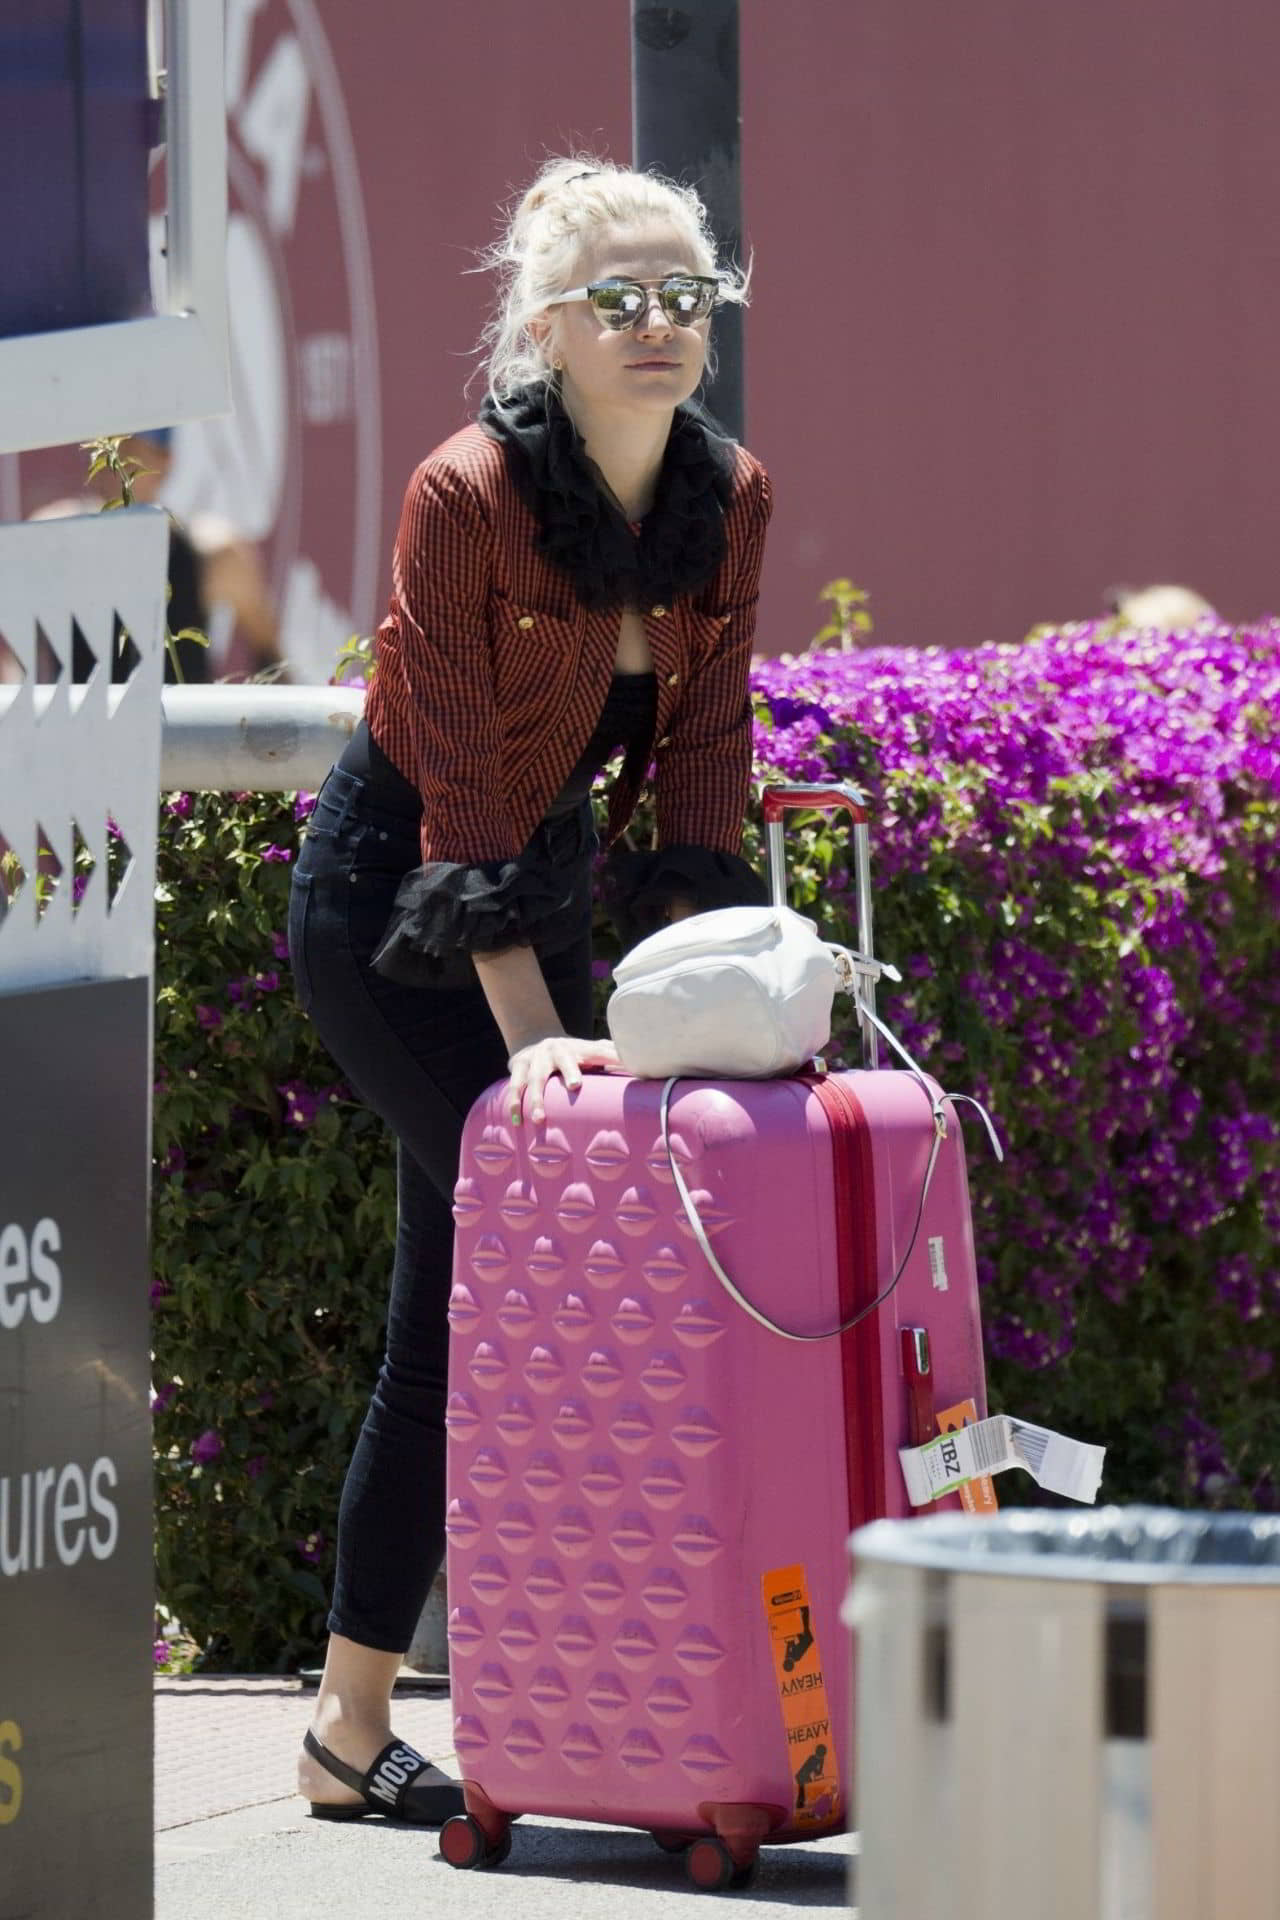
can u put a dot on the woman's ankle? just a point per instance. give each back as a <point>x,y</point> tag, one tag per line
<point>339,1729</point>
<point>354,1698</point>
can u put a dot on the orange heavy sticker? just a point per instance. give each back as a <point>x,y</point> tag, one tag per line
<point>802,1693</point>
<point>976,1496</point>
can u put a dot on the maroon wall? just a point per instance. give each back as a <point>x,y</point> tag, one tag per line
<point>1014,332</point>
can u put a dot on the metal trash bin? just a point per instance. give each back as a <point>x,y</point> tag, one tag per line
<point>1067,1716</point>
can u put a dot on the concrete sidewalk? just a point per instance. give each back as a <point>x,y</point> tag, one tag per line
<point>234,1843</point>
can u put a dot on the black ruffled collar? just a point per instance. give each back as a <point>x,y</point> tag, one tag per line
<point>581,528</point>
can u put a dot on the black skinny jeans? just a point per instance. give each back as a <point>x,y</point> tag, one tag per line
<point>419,1057</point>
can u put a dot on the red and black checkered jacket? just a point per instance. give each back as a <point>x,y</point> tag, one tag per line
<point>492,675</point>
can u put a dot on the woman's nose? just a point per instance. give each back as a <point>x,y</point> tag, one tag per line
<point>645,324</point>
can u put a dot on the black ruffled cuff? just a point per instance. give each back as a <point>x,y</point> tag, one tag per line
<point>444,912</point>
<point>639,888</point>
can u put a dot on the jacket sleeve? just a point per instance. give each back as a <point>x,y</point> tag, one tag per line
<point>435,640</point>
<point>476,891</point>
<point>704,770</point>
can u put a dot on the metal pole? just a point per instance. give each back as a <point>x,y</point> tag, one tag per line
<point>687,122</point>
<point>221,739</point>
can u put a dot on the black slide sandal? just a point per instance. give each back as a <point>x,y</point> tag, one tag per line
<point>400,1784</point>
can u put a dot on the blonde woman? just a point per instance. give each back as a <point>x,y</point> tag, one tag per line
<point>575,576</point>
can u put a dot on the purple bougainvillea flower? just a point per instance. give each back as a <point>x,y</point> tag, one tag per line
<point>304,806</point>
<point>78,884</point>
<point>173,1162</point>
<point>277,853</point>
<point>160,1653</point>
<point>255,1465</point>
<point>209,1018</point>
<point>312,1548</point>
<point>302,1103</point>
<point>180,805</point>
<point>280,946</point>
<point>159,1289</point>
<point>206,1448</point>
<point>238,990</point>
<point>266,982</point>
<point>162,1397</point>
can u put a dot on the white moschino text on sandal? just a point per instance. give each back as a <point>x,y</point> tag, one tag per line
<point>396,1771</point>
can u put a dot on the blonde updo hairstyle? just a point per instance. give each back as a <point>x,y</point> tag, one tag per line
<point>569,204</point>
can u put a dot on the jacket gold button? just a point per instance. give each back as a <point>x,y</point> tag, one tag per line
<point>658,611</point>
<point>665,740</point>
<point>525,620</point>
<point>725,618</point>
<point>673,679</point>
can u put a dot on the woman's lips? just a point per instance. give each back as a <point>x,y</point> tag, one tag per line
<point>652,366</point>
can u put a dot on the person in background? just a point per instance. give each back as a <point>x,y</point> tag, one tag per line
<point>242,616</point>
<point>576,575</point>
<point>210,567</point>
<point>1167,607</point>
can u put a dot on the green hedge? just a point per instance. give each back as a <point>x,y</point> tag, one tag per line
<point>273,1216</point>
<point>1078,876</point>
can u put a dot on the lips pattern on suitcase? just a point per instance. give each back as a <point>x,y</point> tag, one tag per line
<point>579,1445</point>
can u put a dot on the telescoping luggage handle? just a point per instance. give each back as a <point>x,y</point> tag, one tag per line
<point>776,801</point>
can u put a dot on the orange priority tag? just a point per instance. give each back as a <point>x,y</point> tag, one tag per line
<point>802,1695</point>
<point>976,1496</point>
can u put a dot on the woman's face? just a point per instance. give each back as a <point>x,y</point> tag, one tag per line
<point>649,367</point>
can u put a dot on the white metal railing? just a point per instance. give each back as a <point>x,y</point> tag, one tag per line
<point>262,739</point>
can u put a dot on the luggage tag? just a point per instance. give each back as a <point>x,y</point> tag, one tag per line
<point>1060,1465</point>
<point>976,1496</point>
<point>802,1696</point>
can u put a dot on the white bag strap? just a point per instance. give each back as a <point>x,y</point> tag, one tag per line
<point>937,1105</point>
<point>956,1099</point>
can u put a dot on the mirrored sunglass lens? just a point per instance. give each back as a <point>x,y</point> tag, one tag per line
<point>618,304</point>
<point>686,300</point>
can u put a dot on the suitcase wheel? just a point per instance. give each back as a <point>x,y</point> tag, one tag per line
<point>712,1868</point>
<point>464,1844</point>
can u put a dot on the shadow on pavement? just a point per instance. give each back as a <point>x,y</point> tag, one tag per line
<point>800,1875</point>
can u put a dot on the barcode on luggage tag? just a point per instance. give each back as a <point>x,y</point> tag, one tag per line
<point>1030,1444</point>
<point>938,1263</point>
<point>990,1445</point>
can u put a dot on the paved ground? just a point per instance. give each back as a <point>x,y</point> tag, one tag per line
<point>232,1842</point>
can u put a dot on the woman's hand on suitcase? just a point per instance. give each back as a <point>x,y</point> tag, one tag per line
<point>532,1066</point>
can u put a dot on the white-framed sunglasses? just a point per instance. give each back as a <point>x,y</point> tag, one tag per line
<point>618,304</point>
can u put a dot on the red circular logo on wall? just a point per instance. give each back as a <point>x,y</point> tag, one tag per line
<point>296,467</point>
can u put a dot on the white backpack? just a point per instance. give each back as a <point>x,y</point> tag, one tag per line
<point>739,993</point>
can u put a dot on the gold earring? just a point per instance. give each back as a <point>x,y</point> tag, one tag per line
<point>557,366</point>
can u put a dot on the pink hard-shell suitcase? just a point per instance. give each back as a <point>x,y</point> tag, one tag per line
<point>649,1491</point>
